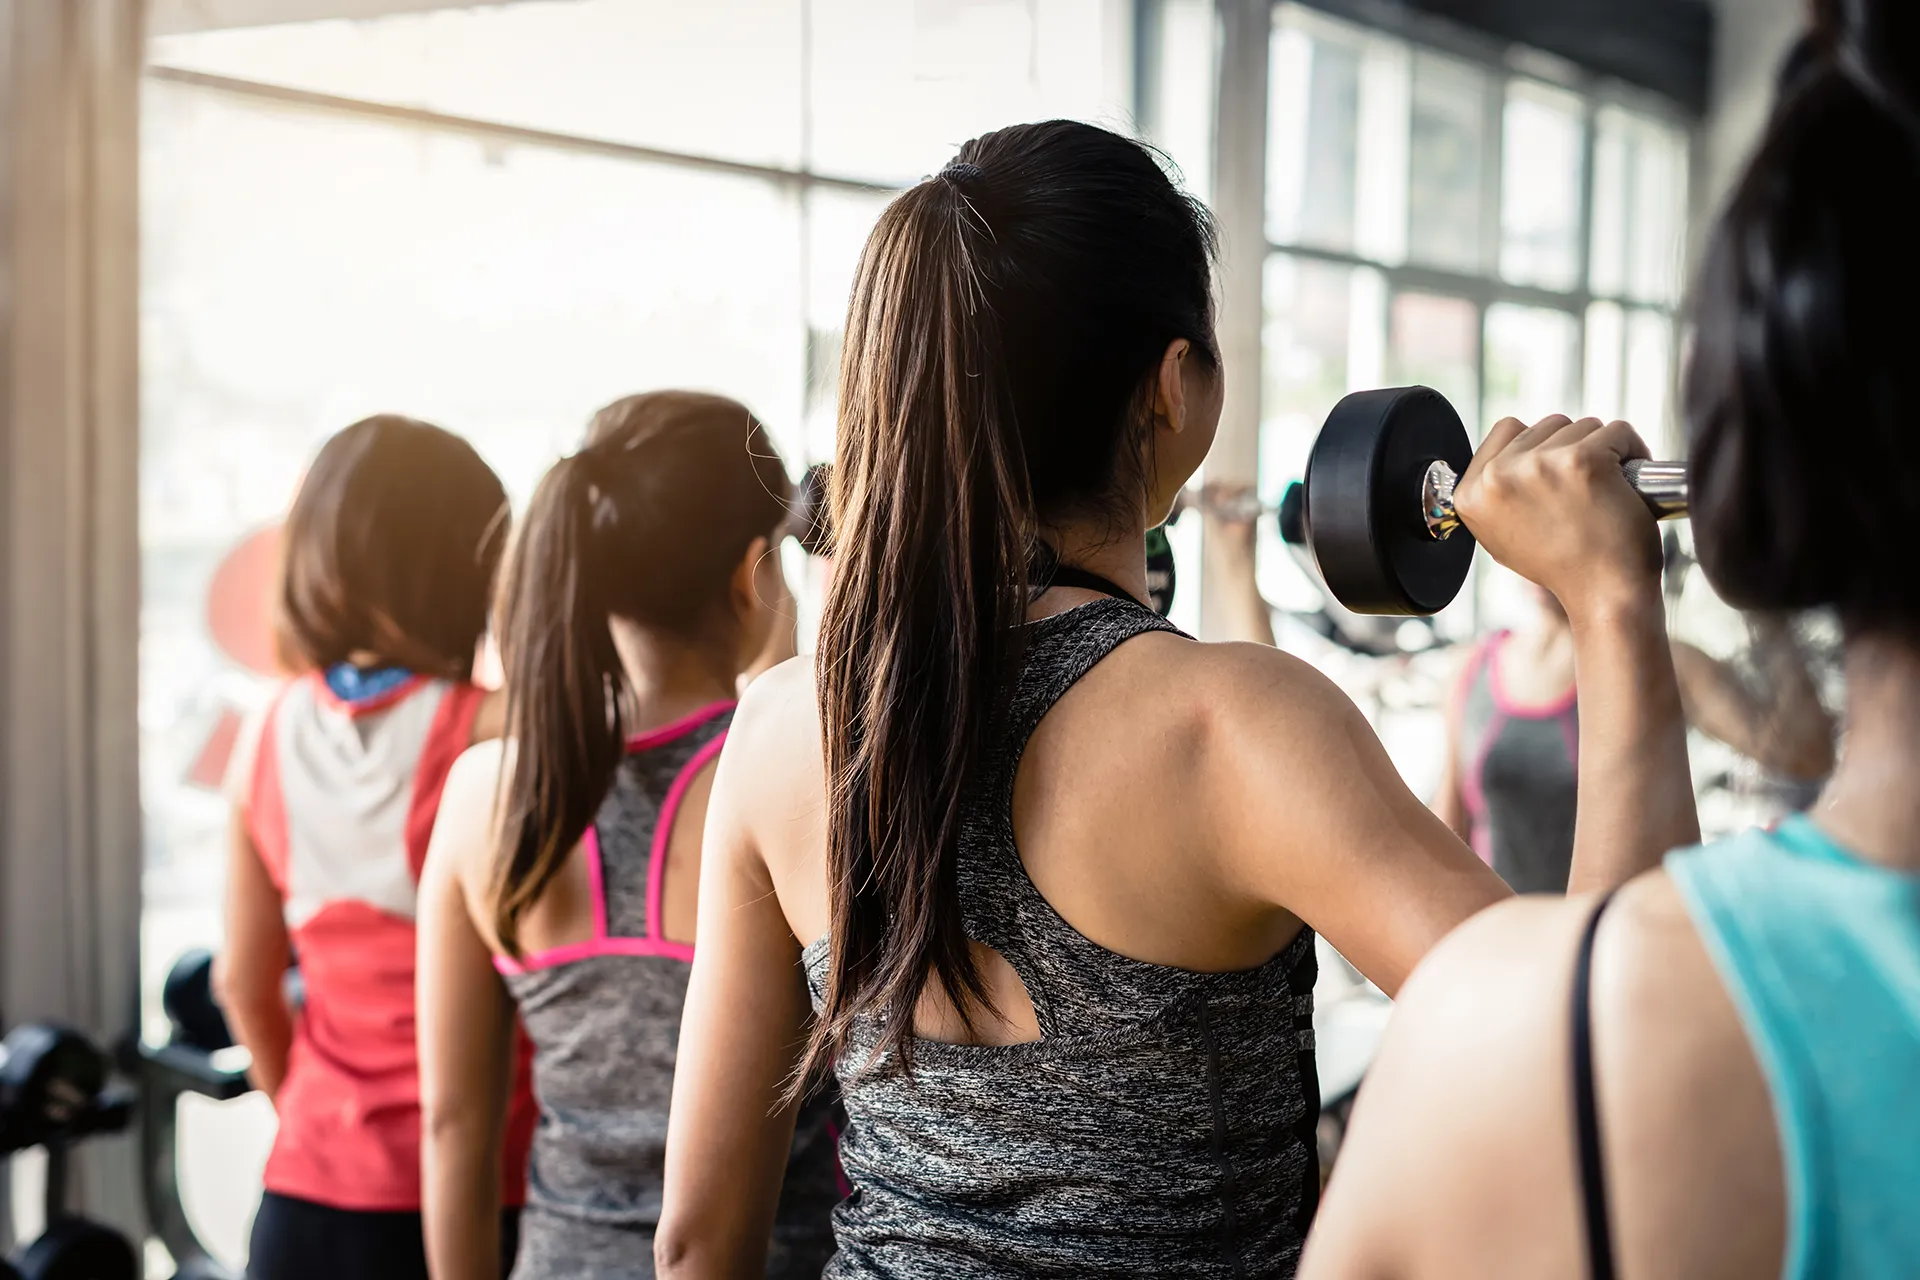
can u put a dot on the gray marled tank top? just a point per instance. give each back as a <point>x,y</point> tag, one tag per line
<point>1163,1124</point>
<point>604,1017</point>
<point>1519,770</point>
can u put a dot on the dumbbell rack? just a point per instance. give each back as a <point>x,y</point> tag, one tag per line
<point>168,1073</point>
<point>160,1076</point>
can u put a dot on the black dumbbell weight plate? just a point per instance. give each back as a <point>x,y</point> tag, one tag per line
<point>1363,514</point>
<point>75,1249</point>
<point>49,1077</point>
<point>189,1001</point>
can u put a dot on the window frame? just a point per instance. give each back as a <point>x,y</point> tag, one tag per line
<point>1505,65</point>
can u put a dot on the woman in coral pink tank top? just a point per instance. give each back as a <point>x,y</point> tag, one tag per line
<point>390,552</point>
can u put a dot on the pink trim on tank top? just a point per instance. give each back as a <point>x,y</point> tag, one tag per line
<point>1505,709</point>
<point>655,943</point>
<point>1470,789</point>
<point>663,832</point>
<point>679,728</point>
<point>577,951</point>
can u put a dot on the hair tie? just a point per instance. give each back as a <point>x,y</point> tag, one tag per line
<point>591,464</point>
<point>960,172</point>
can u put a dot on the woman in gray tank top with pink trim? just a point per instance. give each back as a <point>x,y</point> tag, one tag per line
<point>640,587</point>
<point>1513,737</point>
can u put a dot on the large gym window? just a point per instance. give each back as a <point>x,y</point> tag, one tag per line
<point>1499,226</point>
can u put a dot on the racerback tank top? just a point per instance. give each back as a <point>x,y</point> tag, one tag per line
<point>1519,776</point>
<point>342,800</point>
<point>1163,1124</point>
<point>604,1016</point>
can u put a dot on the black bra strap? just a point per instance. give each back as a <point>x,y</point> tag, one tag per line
<point>1586,1113</point>
<point>1066,575</point>
<point>1046,572</point>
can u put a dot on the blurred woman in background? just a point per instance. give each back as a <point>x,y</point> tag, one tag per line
<point>642,585</point>
<point>1513,736</point>
<point>389,558</point>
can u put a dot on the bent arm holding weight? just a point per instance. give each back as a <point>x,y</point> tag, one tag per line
<point>1636,794</point>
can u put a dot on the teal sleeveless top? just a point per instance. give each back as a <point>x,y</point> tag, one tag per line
<point>1821,954</point>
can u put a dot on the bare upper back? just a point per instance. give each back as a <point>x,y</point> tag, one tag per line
<point>1111,809</point>
<point>1183,804</point>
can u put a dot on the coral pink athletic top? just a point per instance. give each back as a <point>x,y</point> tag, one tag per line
<point>341,803</point>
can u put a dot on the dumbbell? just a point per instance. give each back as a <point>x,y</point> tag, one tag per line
<point>51,1078</point>
<point>77,1249</point>
<point>1379,515</point>
<point>53,1092</point>
<point>195,1016</point>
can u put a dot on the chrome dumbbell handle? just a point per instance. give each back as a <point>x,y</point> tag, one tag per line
<point>1661,485</point>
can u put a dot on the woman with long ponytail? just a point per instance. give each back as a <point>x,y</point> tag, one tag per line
<point>1035,874</point>
<point>640,587</point>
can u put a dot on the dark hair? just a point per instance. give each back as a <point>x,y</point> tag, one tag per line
<point>811,522</point>
<point>390,550</point>
<point>1804,388</point>
<point>1007,321</point>
<point>646,523</point>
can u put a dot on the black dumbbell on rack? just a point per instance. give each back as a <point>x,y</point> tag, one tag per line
<point>1378,511</point>
<point>56,1090</point>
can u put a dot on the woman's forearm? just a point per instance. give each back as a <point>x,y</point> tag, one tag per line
<point>461,1205</point>
<point>1636,792</point>
<point>263,1025</point>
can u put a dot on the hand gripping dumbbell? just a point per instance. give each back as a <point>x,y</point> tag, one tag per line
<point>1379,514</point>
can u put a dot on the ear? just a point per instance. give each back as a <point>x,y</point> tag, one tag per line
<point>1170,386</point>
<point>745,590</point>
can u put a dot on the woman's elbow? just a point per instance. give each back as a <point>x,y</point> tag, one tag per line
<point>673,1249</point>
<point>244,992</point>
<point>682,1250</point>
<point>452,1123</point>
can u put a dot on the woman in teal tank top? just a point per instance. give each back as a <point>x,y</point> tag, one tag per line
<point>1716,1070</point>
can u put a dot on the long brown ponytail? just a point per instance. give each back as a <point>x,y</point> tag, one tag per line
<point>1006,319</point>
<point>646,523</point>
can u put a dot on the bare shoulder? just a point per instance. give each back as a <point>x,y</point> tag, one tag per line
<point>772,773</point>
<point>490,718</point>
<point>1233,688</point>
<point>1270,716</point>
<point>464,828</point>
<point>784,692</point>
<point>1461,1158</point>
<point>778,718</point>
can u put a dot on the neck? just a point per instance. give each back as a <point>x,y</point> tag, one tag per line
<point>1872,805</point>
<point>1117,552</point>
<point>672,677</point>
